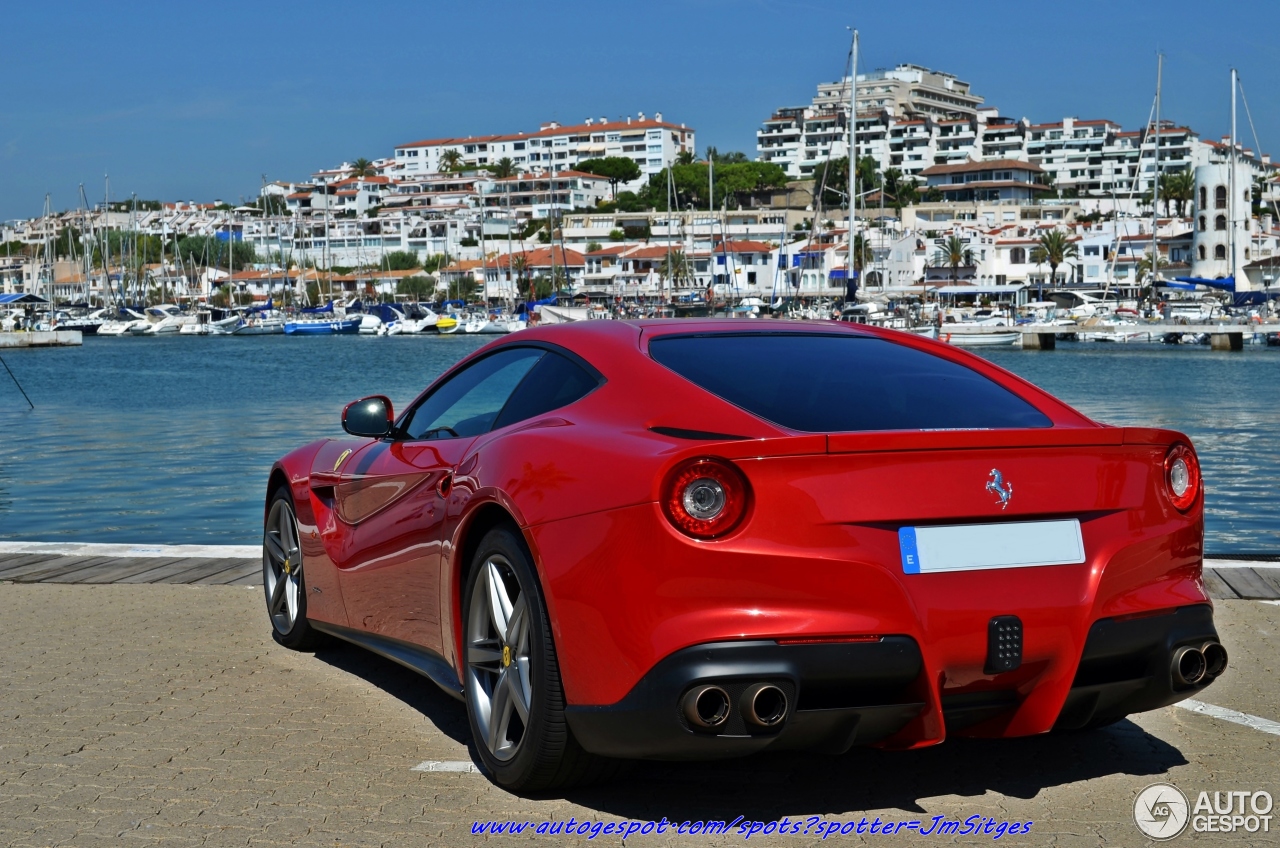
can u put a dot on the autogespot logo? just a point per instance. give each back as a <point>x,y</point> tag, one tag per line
<point>1161,811</point>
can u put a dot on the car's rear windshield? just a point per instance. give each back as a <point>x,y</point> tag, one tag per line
<point>819,383</point>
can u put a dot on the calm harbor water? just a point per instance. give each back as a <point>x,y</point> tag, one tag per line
<point>168,440</point>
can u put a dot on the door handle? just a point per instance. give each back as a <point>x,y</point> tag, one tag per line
<point>445,485</point>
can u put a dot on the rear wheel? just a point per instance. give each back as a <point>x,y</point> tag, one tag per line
<point>282,577</point>
<point>515,701</point>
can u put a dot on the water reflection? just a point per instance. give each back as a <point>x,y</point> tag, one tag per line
<point>169,440</point>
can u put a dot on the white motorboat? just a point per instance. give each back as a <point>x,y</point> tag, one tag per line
<point>503,324</point>
<point>260,325</point>
<point>204,325</point>
<point>960,338</point>
<point>162,320</point>
<point>474,322</point>
<point>121,326</point>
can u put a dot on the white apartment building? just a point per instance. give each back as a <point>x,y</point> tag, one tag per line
<point>652,142</point>
<point>913,126</point>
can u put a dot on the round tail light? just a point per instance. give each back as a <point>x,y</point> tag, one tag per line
<point>1182,476</point>
<point>705,498</point>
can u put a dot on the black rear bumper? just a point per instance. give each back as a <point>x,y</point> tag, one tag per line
<point>1126,666</point>
<point>840,695</point>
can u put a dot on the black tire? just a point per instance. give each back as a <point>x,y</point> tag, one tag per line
<point>546,757</point>
<point>290,628</point>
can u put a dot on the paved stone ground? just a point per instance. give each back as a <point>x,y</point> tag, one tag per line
<point>140,714</point>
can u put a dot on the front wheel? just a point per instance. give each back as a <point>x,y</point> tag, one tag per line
<point>282,577</point>
<point>515,701</point>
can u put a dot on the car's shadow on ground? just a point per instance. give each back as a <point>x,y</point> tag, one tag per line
<point>765,787</point>
<point>413,689</point>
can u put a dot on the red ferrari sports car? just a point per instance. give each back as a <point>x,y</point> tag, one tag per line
<point>706,538</point>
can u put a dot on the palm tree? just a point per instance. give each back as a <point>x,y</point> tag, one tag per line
<point>901,189</point>
<point>451,160</point>
<point>684,157</point>
<point>954,253</point>
<point>518,265</point>
<point>504,167</point>
<point>1180,187</point>
<point>1052,249</point>
<point>362,168</point>
<point>674,267</point>
<point>1144,267</point>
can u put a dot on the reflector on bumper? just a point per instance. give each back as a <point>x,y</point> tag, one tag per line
<point>971,547</point>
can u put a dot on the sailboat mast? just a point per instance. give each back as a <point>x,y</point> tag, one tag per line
<point>106,233</point>
<point>1231,177</point>
<point>1155,186</point>
<point>484,270</point>
<point>853,155</point>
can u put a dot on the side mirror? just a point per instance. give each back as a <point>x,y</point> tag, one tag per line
<point>369,417</point>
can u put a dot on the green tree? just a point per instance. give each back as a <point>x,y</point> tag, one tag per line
<point>435,262</point>
<point>1053,248</point>
<point>271,204</point>
<point>616,169</point>
<point>862,256</point>
<point>953,253</point>
<point>675,267</point>
<point>362,168</point>
<point>735,182</point>
<point>617,235</point>
<point>593,246</point>
<point>213,252</point>
<point>451,160</point>
<point>401,260</point>
<point>1143,269</point>
<point>1178,188</point>
<point>900,190</point>
<point>418,287</point>
<point>684,157</point>
<point>734,157</point>
<point>504,167</point>
<point>1260,187</point>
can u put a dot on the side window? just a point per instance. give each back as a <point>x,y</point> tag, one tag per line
<point>468,402</point>
<point>554,382</point>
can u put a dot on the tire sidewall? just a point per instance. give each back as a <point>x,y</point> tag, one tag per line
<point>542,699</point>
<point>301,630</point>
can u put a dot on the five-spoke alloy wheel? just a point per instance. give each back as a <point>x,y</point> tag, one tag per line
<point>498,657</point>
<point>282,578</point>
<point>515,702</point>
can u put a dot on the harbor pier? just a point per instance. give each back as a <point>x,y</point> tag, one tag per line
<point>41,338</point>
<point>1044,336</point>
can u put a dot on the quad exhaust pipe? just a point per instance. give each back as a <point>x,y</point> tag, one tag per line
<point>706,706</point>
<point>763,706</point>
<point>1192,666</point>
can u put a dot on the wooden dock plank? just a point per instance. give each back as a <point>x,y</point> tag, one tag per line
<point>20,561</point>
<point>33,571</point>
<point>209,570</point>
<point>1217,587</point>
<point>248,573</point>
<point>117,569</point>
<point>71,570</point>
<point>1247,584</point>
<point>161,567</point>
<point>1270,576</point>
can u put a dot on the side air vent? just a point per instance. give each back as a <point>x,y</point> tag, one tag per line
<point>697,435</point>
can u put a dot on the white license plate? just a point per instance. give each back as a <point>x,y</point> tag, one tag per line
<point>972,547</point>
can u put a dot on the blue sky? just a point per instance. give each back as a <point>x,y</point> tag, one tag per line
<point>198,101</point>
